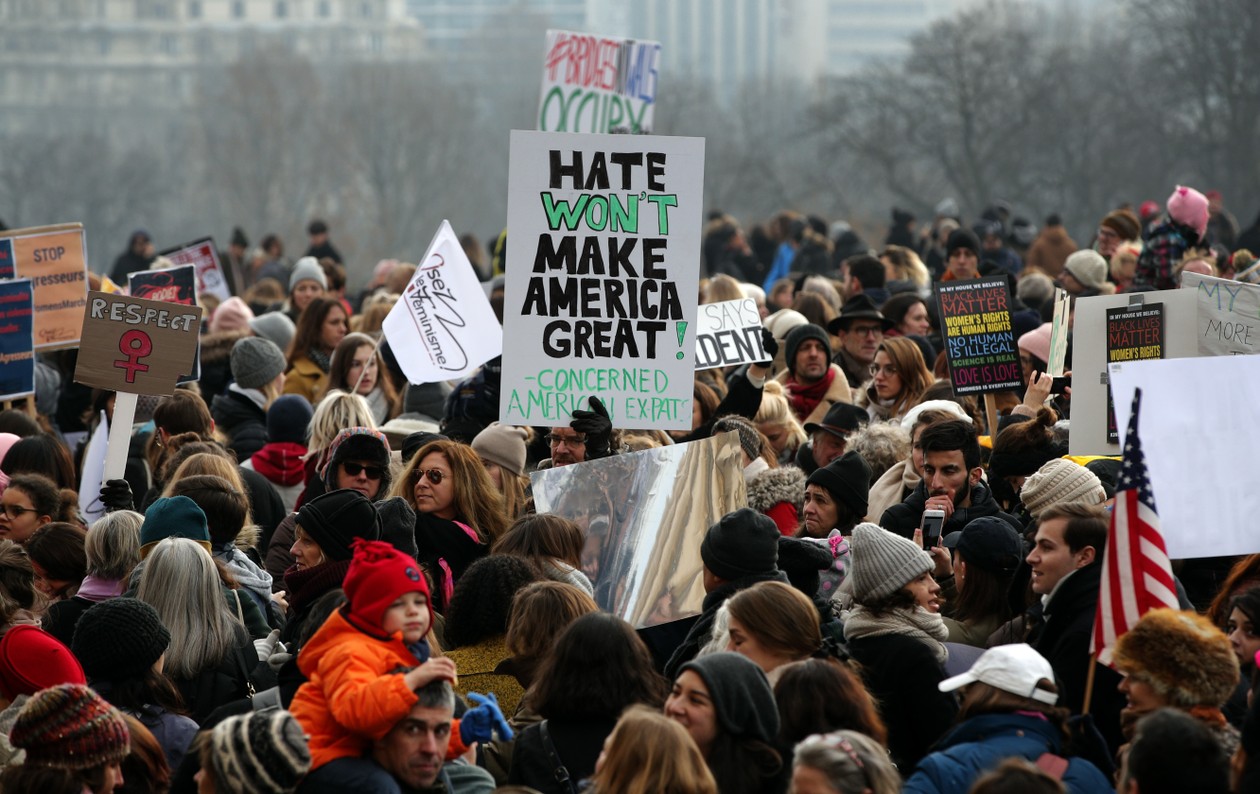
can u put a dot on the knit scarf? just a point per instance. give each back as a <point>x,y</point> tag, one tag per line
<point>96,590</point>
<point>320,358</point>
<point>804,399</point>
<point>379,405</point>
<point>304,586</point>
<point>927,627</point>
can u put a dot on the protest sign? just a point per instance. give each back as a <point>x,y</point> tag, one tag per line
<point>204,259</point>
<point>1087,432</point>
<point>645,514</point>
<point>598,84</point>
<point>94,472</point>
<point>728,333</point>
<point>1229,315</point>
<point>602,277</point>
<point>443,326</point>
<point>979,339</point>
<point>1134,333</point>
<point>1060,324</point>
<point>54,258</point>
<point>17,339</point>
<point>173,285</point>
<point>1200,429</point>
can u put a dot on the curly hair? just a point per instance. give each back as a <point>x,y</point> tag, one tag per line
<point>483,598</point>
<point>882,445</point>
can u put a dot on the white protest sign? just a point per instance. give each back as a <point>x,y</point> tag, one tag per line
<point>1087,432</point>
<point>728,333</point>
<point>597,83</point>
<point>204,258</point>
<point>443,326</point>
<point>602,278</point>
<point>1059,327</point>
<point>94,473</point>
<point>1229,315</point>
<point>1200,429</point>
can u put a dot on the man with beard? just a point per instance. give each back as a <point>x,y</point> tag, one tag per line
<point>951,483</point>
<point>585,438</point>
<point>812,383</point>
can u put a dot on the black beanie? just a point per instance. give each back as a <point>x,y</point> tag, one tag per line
<point>119,639</point>
<point>799,334</point>
<point>398,525</point>
<point>412,444</point>
<point>962,238</point>
<point>741,695</point>
<point>335,519</point>
<point>803,561</point>
<point>742,543</point>
<point>848,480</point>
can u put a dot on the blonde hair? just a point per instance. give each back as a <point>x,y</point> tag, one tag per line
<point>722,288</point>
<point>649,753</point>
<point>337,410</point>
<point>370,319</point>
<point>776,411</point>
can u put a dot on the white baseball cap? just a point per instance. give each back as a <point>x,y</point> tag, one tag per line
<point>1010,668</point>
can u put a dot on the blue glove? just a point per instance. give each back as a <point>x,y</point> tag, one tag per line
<point>479,723</point>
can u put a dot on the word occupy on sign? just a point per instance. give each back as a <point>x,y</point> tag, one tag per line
<point>979,338</point>
<point>1134,333</point>
<point>54,258</point>
<point>204,258</point>
<point>598,84</point>
<point>136,345</point>
<point>17,339</point>
<point>728,333</point>
<point>601,278</point>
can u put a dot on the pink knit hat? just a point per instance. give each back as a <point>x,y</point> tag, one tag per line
<point>1037,342</point>
<point>232,314</point>
<point>1190,207</point>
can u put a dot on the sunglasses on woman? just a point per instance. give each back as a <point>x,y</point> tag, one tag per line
<point>355,469</point>
<point>435,475</point>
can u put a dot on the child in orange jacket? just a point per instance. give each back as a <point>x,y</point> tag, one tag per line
<point>364,665</point>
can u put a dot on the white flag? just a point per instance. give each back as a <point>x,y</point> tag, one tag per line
<point>94,473</point>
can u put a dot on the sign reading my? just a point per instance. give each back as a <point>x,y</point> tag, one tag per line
<point>136,345</point>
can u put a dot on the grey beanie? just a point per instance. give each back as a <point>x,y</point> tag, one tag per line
<point>307,269</point>
<point>1088,267</point>
<point>275,326</point>
<point>1060,481</point>
<point>883,563</point>
<point>504,445</point>
<point>256,362</point>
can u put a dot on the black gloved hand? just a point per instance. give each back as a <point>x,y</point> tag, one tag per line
<point>116,495</point>
<point>769,344</point>
<point>597,428</point>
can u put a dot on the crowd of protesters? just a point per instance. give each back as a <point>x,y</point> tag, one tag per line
<point>317,577</point>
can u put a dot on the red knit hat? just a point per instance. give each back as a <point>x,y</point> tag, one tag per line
<point>379,575</point>
<point>31,659</point>
<point>70,727</point>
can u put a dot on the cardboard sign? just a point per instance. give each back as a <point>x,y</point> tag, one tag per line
<point>1229,315</point>
<point>1060,324</point>
<point>204,258</point>
<point>136,345</point>
<point>17,339</point>
<point>979,338</point>
<point>602,278</point>
<point>54,258</point>
<point>172,285</point>
<point>728,333</point>
<point>1134,333</point>
<point>1087,432</point>
<point>598,84</point>
<point>443,326</point>
<point>1200,429</point>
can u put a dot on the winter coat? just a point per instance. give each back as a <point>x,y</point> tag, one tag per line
<point>703,627</point>
<point>577,742</point>
<point>1050,250</point>
<point>981,743</point>
<point>276,557</point>
<point>305,378</point>
<point>476,667</point>
<point>902,674</point>
<point>63,616</point>
<point>242,419</point>
<point>265,506</point>
<point>778,494</point>
<point>350,697</point>
<point>905,518</point>
<point>1156,265</point>
<point>1061,632</point>
<point>216,362</point>
<point>892,488</point>
<point>838,392</point>
<point>173,732</point>
<point>282,465</point>
<point>220,683</point>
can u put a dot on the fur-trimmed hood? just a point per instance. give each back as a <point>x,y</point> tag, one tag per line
<point>785,484</point>
<point>218,347</point>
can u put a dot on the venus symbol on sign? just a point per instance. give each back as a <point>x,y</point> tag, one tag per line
<point>135,345</point>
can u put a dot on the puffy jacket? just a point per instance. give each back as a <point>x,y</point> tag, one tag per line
<point>904,518</point>
<point>983,742</point>
<point>245,424</point>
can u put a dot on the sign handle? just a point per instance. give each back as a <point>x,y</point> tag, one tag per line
<point>120,435</point>
<point>990,416</point>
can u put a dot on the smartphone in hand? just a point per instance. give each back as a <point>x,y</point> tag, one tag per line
<point>933,523</point>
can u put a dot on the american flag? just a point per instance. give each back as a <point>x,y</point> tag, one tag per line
<point>1136,576</point>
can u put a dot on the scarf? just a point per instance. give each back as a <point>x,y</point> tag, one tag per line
<point>307,585</point>
<point>804,399</point>
<point>96,590</point>
<point>320,359</point>
<point>378,404</point>
<point>753,469</point>
<point>927,627</point>
<point>253,395</point>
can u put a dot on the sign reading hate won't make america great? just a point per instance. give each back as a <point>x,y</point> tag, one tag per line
<point>602,278</point>
<point>979,337</point>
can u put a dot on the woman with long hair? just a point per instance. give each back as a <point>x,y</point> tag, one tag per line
<point>30,502</point>
<point>821,696</point>
<point>552,543</point>
<point>112,550</point>
<point>773,624</point>
<point>20,602</point>
<point>459,512</point>
<point>903,268</point>
<point>540,613</point>
<point>181,413</point>
<point>1008,711</point>
<point>725,703</point>
<point>357,367</point>
<point>502,449</point>
<point>898,379</point>
<point>648,753</point>
<point>778,423</point>
<point>843,762</point>
<point>209,657</point>
<point>597,669</point>
<point>321,327</point>
<point>909,314</point>
<point>987,553</point>
<point>58,559</point>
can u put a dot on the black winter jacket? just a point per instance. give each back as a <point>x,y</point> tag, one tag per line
<point>242,420</point>
<point>905,518</point>
<point>703,628</point>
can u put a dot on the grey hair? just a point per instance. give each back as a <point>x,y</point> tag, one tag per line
<point>436,695</point>
<point>867,768</point>
<point>882,445</point>
<point>113,545</point>
<point>337,410</point>
<point>181,581</point>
